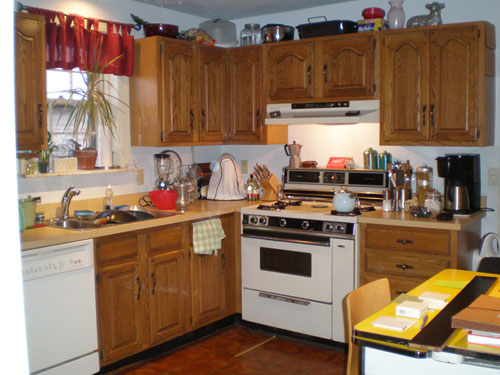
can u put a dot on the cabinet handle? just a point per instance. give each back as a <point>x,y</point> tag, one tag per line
<point>325,69</point>
<point>431,113</point>
<point>405,266</point>
<point>139,286</point>
<point>191,114</point>
<point>223,256</point>
<point>284,299</point>
<point>40,115</point>
<point>401,291</point>
<point>404,242</point>
<point>309,74</point>
<point>203,119</point>
<point>257,118</point>
<point>424,109</point>
<point>154,283</point>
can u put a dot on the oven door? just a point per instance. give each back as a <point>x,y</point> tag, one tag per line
<point>289,268</point>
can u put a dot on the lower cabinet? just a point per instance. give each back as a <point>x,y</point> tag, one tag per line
<point>409,256</point>
<point>151,288</point>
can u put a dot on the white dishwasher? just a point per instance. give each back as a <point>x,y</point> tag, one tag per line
<point>60,307</point>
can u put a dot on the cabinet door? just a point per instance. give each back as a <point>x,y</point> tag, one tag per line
<point>213,87</point>
<point>405,88</point>
<point>120,293</point>
<point>348,67</point>
<point>289,71</point>
<point>245,94</point>
<point>31,119</point>
<point>167,290</point>
<point>209,288</point>
<point>454,77</point>
<point>178,92</point>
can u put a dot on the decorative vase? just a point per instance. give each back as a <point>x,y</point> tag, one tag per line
<point>396,15</point>
<point>86,159</point>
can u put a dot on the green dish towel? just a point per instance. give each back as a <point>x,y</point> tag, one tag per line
<point>207,236</point>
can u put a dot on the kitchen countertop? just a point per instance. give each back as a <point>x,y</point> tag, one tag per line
<point>405,219</point>
<point>202,209</point>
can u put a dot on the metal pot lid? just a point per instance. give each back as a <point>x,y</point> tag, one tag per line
<point>343,190</point>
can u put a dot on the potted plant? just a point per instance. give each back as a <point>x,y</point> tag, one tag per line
<point>92,110</point>
<point>44,155</point>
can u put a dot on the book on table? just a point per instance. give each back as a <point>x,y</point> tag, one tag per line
<point>483,314</point>
<point>484,338</point>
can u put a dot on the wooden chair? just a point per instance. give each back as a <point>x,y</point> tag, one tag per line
<point>360,304</point>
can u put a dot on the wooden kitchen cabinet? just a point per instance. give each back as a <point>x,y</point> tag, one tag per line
<point>327,68</point>
<point>437,86</point>
<point>178,93</point>
<point>141,290</point>
<point>213,278</point>
<point>31,119</point>
<point>408,256</point>
<point>245,95</point>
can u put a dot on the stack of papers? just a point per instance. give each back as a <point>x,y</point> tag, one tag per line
<point>435,301</point>
<point>396,324</point>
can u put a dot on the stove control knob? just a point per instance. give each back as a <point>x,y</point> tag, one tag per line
<point>339,228</point>
<point>328,227</point>
<point>263,220</point>
<point>282,223</point>
<point>305,224</point>
<point>253,220</point>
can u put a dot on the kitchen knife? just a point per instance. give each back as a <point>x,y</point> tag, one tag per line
<point>269,174</point>
<point>256,172</point>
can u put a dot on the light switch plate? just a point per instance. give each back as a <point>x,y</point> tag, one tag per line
<point>244,166</point>
<point>493,176</point>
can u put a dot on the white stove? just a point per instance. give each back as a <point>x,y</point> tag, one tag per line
<point>298,263</point>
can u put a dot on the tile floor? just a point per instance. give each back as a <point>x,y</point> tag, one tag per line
<point>238,350</point>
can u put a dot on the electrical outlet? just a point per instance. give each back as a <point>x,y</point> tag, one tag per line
<point>244,166</point>
<point>493,176</point>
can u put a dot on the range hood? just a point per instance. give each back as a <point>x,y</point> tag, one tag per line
<point>327,113</point>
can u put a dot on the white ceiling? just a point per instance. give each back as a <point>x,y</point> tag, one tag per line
<point>233,9</point>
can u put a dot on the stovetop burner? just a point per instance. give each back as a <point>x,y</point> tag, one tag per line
<point>279,205</point>
<point>357,211</point>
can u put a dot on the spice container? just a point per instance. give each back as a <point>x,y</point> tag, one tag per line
<point>250,35</point>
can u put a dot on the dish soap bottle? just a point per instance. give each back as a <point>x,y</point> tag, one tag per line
<point>108,200</point>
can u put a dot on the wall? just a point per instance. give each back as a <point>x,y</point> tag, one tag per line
<point>319,144</point>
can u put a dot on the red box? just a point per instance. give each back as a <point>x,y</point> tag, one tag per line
<point>336,162</point>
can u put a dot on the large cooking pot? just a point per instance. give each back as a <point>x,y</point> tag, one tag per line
<point>344,200</point>
<point>274,32</point>
<point>315,29</point>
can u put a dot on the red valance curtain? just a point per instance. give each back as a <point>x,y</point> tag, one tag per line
<point>72,40</point>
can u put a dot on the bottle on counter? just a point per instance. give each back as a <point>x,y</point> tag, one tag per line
<point>253,189</point>
<point>108,200</point>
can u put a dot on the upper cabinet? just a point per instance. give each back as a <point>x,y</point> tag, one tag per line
<point>178,93</point>
<point>328,68</point>
<point>245,94</point>
<point>438,86</point>
<point>31,119</point>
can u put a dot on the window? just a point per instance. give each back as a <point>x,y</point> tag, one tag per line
<point>58,83</point>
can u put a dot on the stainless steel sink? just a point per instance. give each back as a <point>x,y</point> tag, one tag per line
<point>74,224</point>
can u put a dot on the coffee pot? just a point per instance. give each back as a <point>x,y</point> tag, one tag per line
<point>293,150</point>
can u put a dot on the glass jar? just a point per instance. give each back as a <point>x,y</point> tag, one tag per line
<point>424,183</point>
<point>433,201</point>
<point>250,34</point>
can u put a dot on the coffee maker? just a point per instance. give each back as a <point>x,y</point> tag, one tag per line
<point>462,182</point>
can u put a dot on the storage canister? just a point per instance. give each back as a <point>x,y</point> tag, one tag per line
<point>370,159</point>
<point>250,35</point>
<point>424,183</point>
<point>384,160</point>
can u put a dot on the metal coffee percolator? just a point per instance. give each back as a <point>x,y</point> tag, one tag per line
<point>293,150</point>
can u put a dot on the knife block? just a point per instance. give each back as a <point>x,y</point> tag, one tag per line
<point>271,188</point>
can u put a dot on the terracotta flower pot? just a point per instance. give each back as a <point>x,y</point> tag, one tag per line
<point>86,158</point>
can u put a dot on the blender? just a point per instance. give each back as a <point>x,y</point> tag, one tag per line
<point>162,171</point>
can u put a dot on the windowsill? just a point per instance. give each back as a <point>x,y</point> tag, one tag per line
<point>138,171</point>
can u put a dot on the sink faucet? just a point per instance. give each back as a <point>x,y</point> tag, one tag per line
<point>66,200</point>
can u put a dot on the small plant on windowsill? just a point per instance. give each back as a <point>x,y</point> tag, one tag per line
<point>92,110</point>
<point>44,155</point>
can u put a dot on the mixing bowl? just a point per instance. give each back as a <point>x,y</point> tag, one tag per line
<point>163,199</point>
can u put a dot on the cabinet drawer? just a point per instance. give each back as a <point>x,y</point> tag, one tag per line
<point>403,238</point>
<point>397,284</point>
<point>171,237</point>
<point>399,263</point>
<point>112,248</point>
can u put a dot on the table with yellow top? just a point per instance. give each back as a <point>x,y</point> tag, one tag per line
<point>414,350</point>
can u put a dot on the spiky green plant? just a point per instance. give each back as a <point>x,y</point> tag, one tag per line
<point>44,155</point>
<point>94,107</point>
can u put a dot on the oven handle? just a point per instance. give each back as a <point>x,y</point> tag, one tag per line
<point>321,241</point>
<point>284,299</point>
